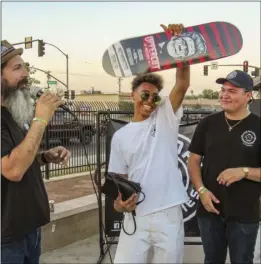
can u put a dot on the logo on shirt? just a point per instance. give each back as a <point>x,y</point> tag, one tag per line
<point>189,208</point>
<point>153,130</point>
<point>248,138</point>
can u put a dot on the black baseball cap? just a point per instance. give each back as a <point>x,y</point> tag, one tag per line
<point>238,78</point>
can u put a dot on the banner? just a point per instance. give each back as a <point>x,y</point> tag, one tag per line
<point>113,219</point>
<point>255,107</point>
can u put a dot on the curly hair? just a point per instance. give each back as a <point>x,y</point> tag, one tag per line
<point>151,78</point>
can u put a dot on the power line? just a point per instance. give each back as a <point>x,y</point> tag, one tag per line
<point>80,74</point>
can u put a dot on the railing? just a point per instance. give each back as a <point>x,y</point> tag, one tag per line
<point>64,130</point>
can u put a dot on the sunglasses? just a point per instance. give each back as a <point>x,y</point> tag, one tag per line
<point>146,95</point>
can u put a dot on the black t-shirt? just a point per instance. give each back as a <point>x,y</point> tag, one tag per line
<point>222,149</point>
<point>25,203</point>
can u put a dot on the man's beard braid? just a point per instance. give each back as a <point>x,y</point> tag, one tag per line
<point>20,105</point>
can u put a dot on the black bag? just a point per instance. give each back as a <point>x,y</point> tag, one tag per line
<point>115,183</point>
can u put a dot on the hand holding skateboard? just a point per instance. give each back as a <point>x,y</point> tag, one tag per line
<point>174,29</point>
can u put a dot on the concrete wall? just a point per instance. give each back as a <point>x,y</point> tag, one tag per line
<point>72,221</point>
<point>65,231</point>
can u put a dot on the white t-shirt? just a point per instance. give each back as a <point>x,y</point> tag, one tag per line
<point>148,152</point>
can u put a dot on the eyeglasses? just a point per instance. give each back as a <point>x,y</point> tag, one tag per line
<point>146,95</point>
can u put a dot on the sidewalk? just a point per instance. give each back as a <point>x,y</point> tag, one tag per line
<point>87,251</point>
<point>67,189</point>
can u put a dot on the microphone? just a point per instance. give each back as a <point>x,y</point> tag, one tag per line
<point>36,92</point>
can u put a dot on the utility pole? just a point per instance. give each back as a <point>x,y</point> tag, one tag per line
<point>119,82</point>
<point>48,78</point>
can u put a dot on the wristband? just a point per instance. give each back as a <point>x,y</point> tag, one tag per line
<point>40,120</point>
<point>202,189</point>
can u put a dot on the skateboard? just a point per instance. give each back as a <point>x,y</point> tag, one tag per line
<point>162,51</point>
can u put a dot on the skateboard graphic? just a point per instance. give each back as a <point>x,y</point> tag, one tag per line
<point>162,51</point>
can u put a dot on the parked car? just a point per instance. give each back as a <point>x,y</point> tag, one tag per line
<point>64,127</point>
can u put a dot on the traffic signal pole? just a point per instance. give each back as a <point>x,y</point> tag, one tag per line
<point>233,65</point>
<point>24,42</point>
<point>67,64</point>
<point>48,74</point>
<point>41,45</point>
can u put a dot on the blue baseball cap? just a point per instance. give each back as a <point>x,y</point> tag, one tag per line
<point>238,78</point>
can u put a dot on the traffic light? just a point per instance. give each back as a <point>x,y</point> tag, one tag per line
<point>205,70</point>
<point>72,94</point>
<point>245,66</point>
<point>41,48</point>
<point>66,94</point>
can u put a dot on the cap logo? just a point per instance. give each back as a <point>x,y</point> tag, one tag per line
<point>232,75</point>
<point>3,49</point>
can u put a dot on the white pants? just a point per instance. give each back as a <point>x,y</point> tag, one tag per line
<point>257,253</point>
<point>163,230</point>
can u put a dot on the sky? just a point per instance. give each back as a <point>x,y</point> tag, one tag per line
<point>84,30</point>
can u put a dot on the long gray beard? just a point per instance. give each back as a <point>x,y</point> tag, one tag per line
<point>21,107</point>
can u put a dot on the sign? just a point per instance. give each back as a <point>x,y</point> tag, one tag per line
<point>214,65</point>
<point>28,42</point>
<point>51,82</point>
<point>113,219</point>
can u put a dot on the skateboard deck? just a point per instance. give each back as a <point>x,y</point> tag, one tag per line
<point>162,51</point>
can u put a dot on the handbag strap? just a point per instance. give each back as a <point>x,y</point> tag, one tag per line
<point>133,213</point>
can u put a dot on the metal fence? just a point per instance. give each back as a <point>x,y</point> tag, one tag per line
<point>64,130</point>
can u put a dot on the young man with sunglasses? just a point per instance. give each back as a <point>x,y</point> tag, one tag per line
<point>229,181</point>
<point>145,151</point>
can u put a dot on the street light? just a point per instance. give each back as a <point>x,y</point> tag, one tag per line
<point>66,94</point>
<point>205,70</point>
<point>41,48</point>
<point>67,64</point>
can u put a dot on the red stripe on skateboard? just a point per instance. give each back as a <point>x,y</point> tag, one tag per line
<point>228,37</point>
<point>189,29</point>
<point>201,58</point>
<point>179,63</point>
<point>239,43</point>
<point>190,61</point>
<point>167,65</point>
<point>209,45</point>
<point>168,35</point>
<point>158,36</point>
<point>219,41</point>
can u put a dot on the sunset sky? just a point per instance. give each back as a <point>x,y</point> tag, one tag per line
<point>84,30</point>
